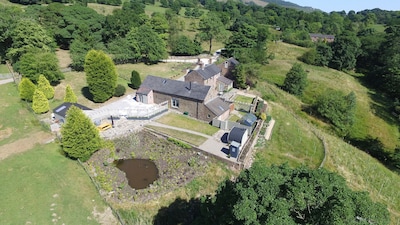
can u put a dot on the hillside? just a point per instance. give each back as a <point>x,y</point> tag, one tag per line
<point>294,143</point>
<point>280,3</point>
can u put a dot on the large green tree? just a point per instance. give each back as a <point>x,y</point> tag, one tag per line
<point>281,195</point>
<point>296,80</point>
<point>80,137</point>
<point>10,15</point>
<point>70,95</point>
<point>390,61</point>
<point>84,41</point>
<point>211,28</point>
<point>101,75</point>
<point>346,49</point>
<point>40,104</point>
<point>182,45</point>
<point>151,46</point>
<point>45,87</point>
<point>338,109</point>
<point>33,63</point>
<point>28,35</point>
<point>26,89</point>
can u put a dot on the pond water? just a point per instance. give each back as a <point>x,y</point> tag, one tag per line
<point>140,172</point>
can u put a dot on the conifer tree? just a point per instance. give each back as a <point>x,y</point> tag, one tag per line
<point>40,104</point>
<point>135,79</point>
<point>26,89</point>
<point>80,137</point>
<point>45,87</point>
<point>101,75</point>
<point>70,95</point>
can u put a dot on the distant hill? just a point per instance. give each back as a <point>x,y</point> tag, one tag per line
<point>280,3</point>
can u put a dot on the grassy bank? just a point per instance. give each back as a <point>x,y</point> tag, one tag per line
<point>361,171</point>
<point>186,122</point>
<point>42,186</point>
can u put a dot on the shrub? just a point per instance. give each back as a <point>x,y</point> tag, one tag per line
<point>119,90</point>
<point>26,89</point>
<point>179,143</point>
<point>263,116</point>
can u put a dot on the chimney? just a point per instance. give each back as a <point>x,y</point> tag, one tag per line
<point>202,65</point>
<point>226,64</point>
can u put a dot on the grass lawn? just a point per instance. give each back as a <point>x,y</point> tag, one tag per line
<point>4,69</point>
<point>244,99</point>
<point>150,9</point>
<point>184,136</point>
<point>42,186</point>
<point>13,107</point>
<point>185,122</point>
<point>103,9</point>
<point>234,118</point>
<point>166,70</point>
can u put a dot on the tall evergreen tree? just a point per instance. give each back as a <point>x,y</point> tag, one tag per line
<point>40,104</point>
<point>45,87</point>
<point>101,75</point>
<point>70,95</point>
<point>80,137</point>
<point>296,80</point>
<point>135,79</point>
<point>26,89</point>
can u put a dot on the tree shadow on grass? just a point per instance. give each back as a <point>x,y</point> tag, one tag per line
<point>180,212</point>
<point>86,93</point>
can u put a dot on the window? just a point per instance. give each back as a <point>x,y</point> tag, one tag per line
<point>175,103</point>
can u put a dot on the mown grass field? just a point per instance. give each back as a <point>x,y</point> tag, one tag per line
<point>186,122</point>
<point>103,9</point>
<point>17,120</point>
<point>42,186</point>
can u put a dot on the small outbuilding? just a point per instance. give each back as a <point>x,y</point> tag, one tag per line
<point>60,112</point>
<point>237,138</point>
<point>248,120</point>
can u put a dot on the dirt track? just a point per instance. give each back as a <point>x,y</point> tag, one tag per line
<point>24,144</point>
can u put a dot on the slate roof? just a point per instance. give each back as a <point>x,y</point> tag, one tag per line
<point>225,80</point>
<point>236,134</point>
<point>143,90</point>
<point>175,87</point>
<point>62,109</point>
<point>233,61</point>
<point>218,106</point>
<point>208,71</point>
<point>322,36</point>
